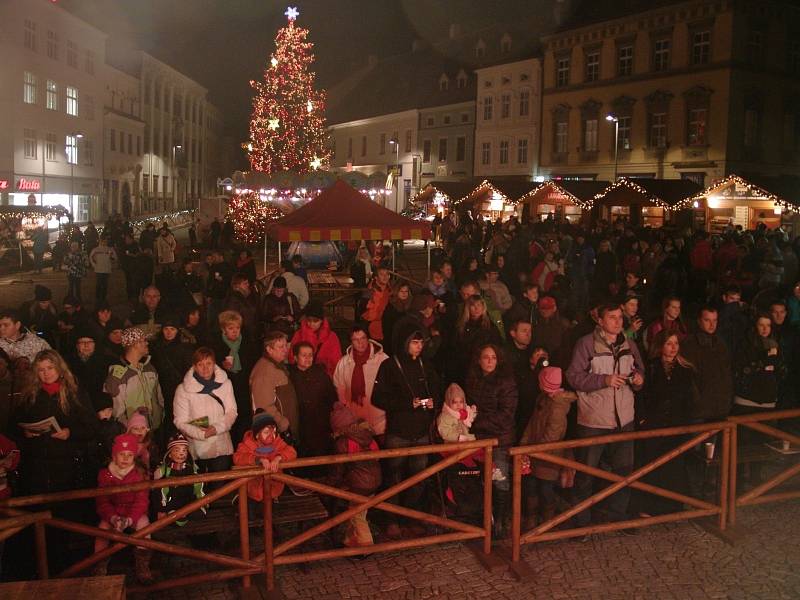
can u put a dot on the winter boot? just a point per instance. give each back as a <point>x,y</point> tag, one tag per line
<point>501,514</point>
<point>142,558</point>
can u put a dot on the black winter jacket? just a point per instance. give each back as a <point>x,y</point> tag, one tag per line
<point>496,397</point>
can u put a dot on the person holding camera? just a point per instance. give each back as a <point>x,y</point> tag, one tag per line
<point>605,371</point>
<point>408,389</point>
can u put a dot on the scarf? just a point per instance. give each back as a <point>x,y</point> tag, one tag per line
<point>358,385</point>
<point>117,472</point>
<point>234,346</point>
<point>52,388</point>
<point>209,385</point>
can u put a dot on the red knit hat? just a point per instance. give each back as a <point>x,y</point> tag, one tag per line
<point>123,442</point>
<point>550,379</point>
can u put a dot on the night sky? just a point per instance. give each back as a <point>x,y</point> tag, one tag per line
<point>224,43</point>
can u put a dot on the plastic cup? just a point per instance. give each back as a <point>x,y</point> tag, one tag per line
<point>709,449</point>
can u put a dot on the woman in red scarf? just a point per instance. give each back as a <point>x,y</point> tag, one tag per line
<point>316,330</point>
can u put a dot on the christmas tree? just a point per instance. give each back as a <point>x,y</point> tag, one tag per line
<point>287,127</point>
<point>250,216</point>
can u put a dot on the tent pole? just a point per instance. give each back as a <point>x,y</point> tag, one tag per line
<point>280,254</point>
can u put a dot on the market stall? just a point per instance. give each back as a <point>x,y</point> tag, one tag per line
<point>736,201</point>
<point>18,225</point>
<point>644,202</point>
<point>566,201</point>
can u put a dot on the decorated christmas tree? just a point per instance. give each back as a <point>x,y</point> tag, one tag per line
<point>287,127</point>
<point>250,216</point>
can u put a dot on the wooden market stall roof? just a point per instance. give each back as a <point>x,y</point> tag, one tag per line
<point>343,213</point>
<point>783,190</point>
<point>670,194</point>
<point>580,192</point>
<point>452,191</point>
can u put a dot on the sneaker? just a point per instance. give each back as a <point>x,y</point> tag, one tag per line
<point>497,475</point>
<point>300,491</point>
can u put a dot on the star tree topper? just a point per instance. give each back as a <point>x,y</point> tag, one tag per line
<point>292,13</point>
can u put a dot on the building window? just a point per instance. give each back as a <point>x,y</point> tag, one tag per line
<point>364,145</point>
<point>480,49</point>
<point>88,153</point>
<point>52,44</point>
<point>751,126</point>
<point>522,151</point>
<point>30,35</point>
<point>88,108</point>
<point>505,44</point>
<point>486,153</point>
<point>561,137</point>
<point>461,79</point>
<point>661,53</point>
<point>487,108</point>
<point>524,103</point>
<point>592,66</point>
<point>625,60</point>
<point>382,144</point>
<point>590,135</point>
<point>130,143</point>
<point>72,54</point>
<point>562,71</point>
<point>698,118</point>
<point>505,106</point>
<point>429,122</point>
<point>52,95</point>
<point>755,47</point>
<point>112,140</point>
<point>446,120</point>
<point>350,148</point>
<point>444,83</point>
<point>465,117</point>
<point>461,149</point>
<point>29,143</point>
<point>426,151</point>
<point>139,146</point>
<point>72,101</point>
<point>72,149</point>
<point>29,88</point>
<point>443,150</point>
<point>409,140</point>
<point>701,47</point>
<point>504,152</point>
<point>50,147</point>
<point>90,62</point>
<point>624,132</point>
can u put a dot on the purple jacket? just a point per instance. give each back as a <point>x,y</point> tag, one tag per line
<point>600,406</point>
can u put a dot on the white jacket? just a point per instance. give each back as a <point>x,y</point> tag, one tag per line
<point>189,404</point>
<point>103,259</point>
<point>343,375</point>
<point>296,285</point>
<point>165,248</point>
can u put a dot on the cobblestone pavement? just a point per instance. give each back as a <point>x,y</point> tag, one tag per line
<point>675,561</point>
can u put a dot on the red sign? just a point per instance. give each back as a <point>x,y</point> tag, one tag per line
<point>3,184</point>
<point>28,185</point>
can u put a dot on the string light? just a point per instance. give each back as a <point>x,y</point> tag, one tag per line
<point>251,212</point>
<point>287,125</point>
<point>632,185</point>
<point>561,190</point>
<point>752,190</point>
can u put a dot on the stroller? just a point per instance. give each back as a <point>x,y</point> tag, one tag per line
<point>460,486</point>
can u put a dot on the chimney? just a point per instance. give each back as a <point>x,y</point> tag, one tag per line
<point>455,31</point>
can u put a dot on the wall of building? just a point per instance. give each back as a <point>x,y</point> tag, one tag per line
<point>507,120</point>
<point>446,140</point>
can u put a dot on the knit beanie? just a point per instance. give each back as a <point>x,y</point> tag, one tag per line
<point>261,420</point>
<point>123,442</point>
<point>42,293</point>
<point>550,379</point>
<point>342,417</point>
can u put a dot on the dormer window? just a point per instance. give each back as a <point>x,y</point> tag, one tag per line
<point>505,44</point>
<point>461,79</point>
<point>444,83</point>
<point>480,49</point>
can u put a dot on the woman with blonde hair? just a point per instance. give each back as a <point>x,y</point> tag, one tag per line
<point>53,454</point>
<point>474,329</point>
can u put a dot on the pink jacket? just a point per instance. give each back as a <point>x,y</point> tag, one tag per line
<point>124,504</point>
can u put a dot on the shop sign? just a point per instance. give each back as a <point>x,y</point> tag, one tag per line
<point>3,184</point>
<point>28,184</point>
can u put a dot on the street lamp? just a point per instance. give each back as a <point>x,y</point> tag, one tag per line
<point>615,120</point>
<point>175,149</point>
<point>72,157</point>
<point>396,143</point>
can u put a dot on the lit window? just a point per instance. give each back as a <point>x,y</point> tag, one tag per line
<point>50,147</point>
<point>698,118</point>
<point>486,153</point>
<point>443,150</point>
<point>561,137</point>
<point>29,88</point>
<point>72,101</point>
<point>590,135</point>
<point>562,71</point>
<point>30,144</point>
<point>624,132</point>
<point>52,95</point>
<point>72,149</point>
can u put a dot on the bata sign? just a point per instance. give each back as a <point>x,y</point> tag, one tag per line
<point>28,185</point>
<point>3,184</point>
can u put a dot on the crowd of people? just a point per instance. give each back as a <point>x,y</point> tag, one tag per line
<point>524,332</point>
